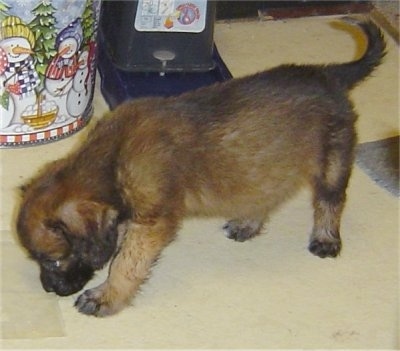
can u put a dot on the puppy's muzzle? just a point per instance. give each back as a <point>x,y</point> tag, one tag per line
<point>66,283</point>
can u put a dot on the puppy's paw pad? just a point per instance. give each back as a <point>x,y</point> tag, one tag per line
<point>242,231</point>
<point>88,303</point>
<point>94,302</point>
<point>325,248</point>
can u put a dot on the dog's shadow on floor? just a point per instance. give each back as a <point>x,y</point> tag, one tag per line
<point>380,160</point>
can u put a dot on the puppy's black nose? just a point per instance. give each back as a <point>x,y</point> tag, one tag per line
<point>57,285</point>
<point>64,290</point>
<point>48,288</point>
<point>68,282</point>
<point>46,282</point>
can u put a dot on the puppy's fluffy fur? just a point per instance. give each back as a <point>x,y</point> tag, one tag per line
<point>236,149</point>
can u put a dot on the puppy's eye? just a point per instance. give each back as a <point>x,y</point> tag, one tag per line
<point>57,227</point>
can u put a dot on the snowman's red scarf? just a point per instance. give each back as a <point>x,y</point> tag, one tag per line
<point>62,67</point>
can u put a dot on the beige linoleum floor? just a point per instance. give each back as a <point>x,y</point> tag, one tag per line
<point>209,292</point>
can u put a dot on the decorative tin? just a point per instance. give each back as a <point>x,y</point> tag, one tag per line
<point>47,68</point>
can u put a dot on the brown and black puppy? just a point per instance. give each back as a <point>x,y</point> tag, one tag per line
<point>236,149</point>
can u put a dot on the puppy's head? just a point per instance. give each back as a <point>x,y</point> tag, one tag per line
<point>70,237</point>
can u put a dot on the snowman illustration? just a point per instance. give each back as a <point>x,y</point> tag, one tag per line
<point>80,94</point>
<point>59,76</point>
<point>19,78</point>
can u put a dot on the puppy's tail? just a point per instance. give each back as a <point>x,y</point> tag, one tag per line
<point>349,74</point>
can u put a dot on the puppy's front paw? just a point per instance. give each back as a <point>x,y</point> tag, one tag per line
<point>99,302</point>
<point>325,248</point>
<point>242,230</point>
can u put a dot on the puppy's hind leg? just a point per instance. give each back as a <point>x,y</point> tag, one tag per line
<point>330,193</point>
<point>242,230</point>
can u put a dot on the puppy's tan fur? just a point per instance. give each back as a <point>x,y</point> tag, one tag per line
<point>237,149</point>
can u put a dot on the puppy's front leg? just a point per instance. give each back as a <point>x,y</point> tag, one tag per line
<point>131,265</point>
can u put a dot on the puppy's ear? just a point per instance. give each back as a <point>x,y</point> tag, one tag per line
<point>83,218</point>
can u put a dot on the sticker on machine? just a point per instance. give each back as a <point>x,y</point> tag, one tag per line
<point>171,16</point>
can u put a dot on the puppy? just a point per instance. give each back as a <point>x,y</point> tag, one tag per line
<point>236,149</point>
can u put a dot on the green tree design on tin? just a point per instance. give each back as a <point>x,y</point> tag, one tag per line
<point>4,8</point>
<point>5,96</point>
<point>43,27</point>
<point>88,22</point>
